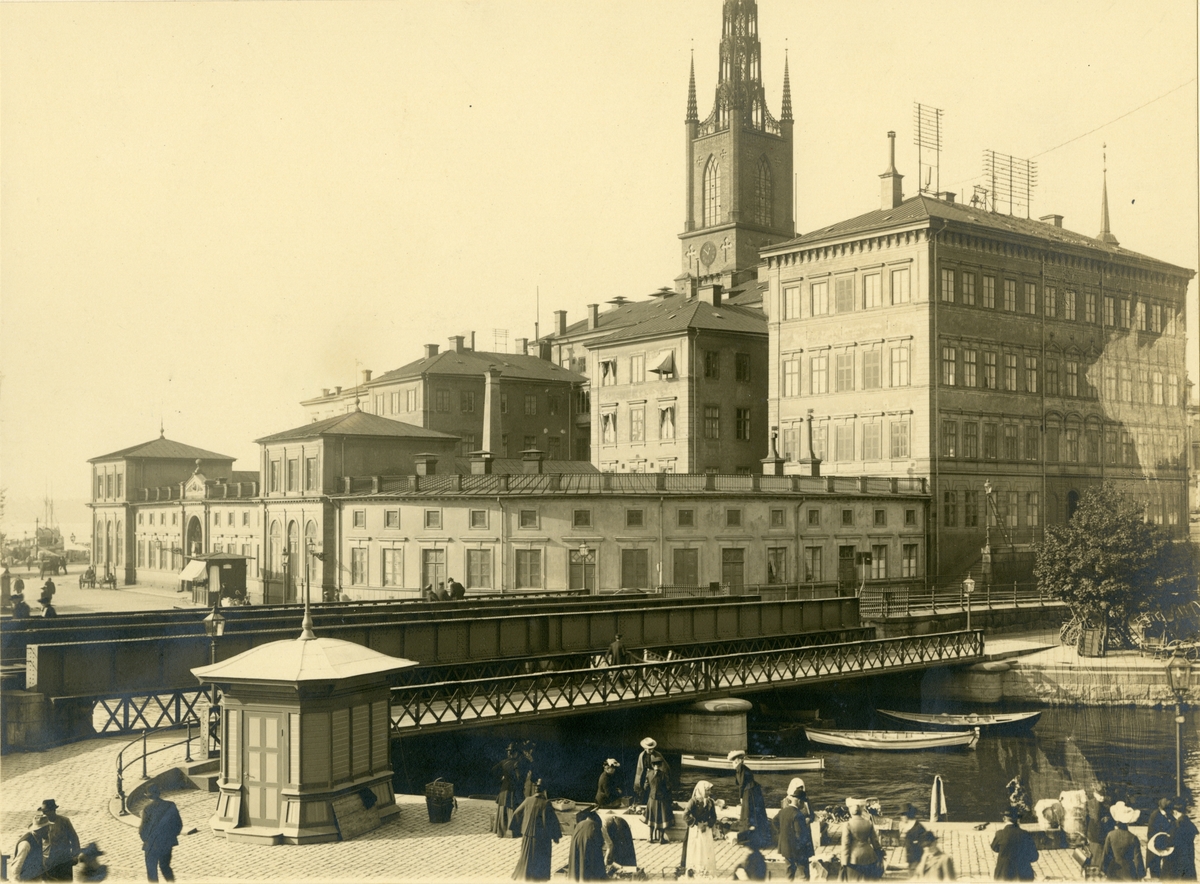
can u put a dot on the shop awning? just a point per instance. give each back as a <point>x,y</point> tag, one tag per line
<point>194,571</point>
<point>664,362</point>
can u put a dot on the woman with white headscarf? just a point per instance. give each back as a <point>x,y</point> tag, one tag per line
<point>701,818</point>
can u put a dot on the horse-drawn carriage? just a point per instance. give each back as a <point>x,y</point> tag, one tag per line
<point>89,580</point>
<point>47,562</point>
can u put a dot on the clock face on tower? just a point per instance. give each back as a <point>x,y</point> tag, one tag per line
<point>708,253</point>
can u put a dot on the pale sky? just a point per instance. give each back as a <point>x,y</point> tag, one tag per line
<point>210,211</point>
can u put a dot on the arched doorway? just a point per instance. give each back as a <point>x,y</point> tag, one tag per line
<point>108,545</point>
<point>293,563</point>
<point>195,537</point>
<point>273,584</point>
<point>1072,503</point>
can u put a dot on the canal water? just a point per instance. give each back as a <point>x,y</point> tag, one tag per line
<point>1132,750</point>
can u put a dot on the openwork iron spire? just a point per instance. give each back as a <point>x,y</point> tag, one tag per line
<point>693,115</point>
<point>739,94</point>
<point>785,112</point>
<point>1106,234</point>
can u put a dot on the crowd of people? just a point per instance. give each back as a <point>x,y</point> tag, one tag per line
<point>20,607</point>
<point>447,591</point>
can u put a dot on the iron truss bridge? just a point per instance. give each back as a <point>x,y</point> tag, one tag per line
<point>420,708</point>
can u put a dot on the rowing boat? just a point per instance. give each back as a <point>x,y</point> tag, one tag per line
<point>971,719</point>
<point>893,740</point>
<point>754,762</point>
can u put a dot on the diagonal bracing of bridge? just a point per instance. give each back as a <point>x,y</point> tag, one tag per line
<point>420,708</point>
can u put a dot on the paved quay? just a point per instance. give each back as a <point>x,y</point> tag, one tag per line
<point>81,777</point>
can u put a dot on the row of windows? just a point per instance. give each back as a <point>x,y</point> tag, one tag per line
<point>871,372</point>
<point>285,475</point>
<point>851,442</point>
<point>637,424</point>
<point>973,439</point>
<point>959,286</point>
<point>800,302</point>
<point>663,364</point>
<point>443,402</point>
<point>1008,508</point>
<point>110,485</point>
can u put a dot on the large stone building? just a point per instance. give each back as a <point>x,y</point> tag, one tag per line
<point>1011,361</point>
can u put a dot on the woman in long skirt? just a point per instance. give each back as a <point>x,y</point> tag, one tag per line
<point>538,826</point>
<point>659,813</point>
<point>701,818</point>
<point>510,791</point>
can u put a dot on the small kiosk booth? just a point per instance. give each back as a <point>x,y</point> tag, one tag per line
<point>213,577</point>
<point>305,740</point>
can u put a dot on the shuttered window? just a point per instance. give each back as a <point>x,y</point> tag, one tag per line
<point>293,747</point>
<point>360,737</point>
<point>231,747</point>
<point>316,732</point>
<point>380,736</point>
<point>341,745</point>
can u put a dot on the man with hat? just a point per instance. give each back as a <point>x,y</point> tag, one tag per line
<point>1015,851</point>
<point>645,764</point>
<point>753,809</point>
<point>795,834</point>
<point>1161,822</point>
<point>60,844</point>
<point>912,836</point>
<point>160,828</point>
<point>27,863</point>
<point>608,791</point>
<point>1179,860</point>
<point>20,607</point>
<point>1097,823</point>
<point>1122,856</point>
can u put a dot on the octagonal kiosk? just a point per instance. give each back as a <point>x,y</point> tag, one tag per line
<point>305,740</point>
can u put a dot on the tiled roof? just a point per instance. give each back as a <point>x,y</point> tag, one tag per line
<point>356,423</point>
<point>471,362</point>
<point>922,208</point>
<point>244,476</point>
<point>164,449</point>
<point>673,317</point>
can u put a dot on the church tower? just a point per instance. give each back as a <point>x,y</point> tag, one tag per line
<point>739,162</point>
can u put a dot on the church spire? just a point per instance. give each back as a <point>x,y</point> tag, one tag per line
<point>693,115</point>
<point>785,112</point>
<point>1106,234</point>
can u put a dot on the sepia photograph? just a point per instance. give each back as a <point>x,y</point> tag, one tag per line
<point>489,440</point>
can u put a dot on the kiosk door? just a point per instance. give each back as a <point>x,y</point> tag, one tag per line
<point>264,738</point>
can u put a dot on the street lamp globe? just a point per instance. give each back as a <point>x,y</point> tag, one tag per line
<point>214,623</point>
<point>1179,674</point>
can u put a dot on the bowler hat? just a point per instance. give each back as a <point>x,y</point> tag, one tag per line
<point>48,804</point>
<point>911,812</point>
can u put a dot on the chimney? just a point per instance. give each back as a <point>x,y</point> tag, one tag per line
<point>560,322</point>
<point>593,315</point>
<point>522,345</point>
<point>431,350</point>
<point>337,390</point>
<point>532,460</point>
<point>544,351</point>
<point>891,192</point>
<point>456,343</point>
<point>491,410</point>
<point>426,464</point>
<point>366,375</point>
<point>325,392</point>
<point>471,338</point>
<point>710,293</point>
<point>1056,220</point>
<point>947,196</point>
<point>481,463</point>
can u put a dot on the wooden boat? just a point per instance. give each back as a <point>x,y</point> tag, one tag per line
<point>971,719</point>
<point>754,762</point>
<point>893,740</point>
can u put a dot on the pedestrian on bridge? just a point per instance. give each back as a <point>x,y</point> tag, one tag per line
<point>61,844</point>
<point>457,590</point>
<point>537,823</point>
<point>511,790</point>
<point>608,791</point>
<point>160,828</point>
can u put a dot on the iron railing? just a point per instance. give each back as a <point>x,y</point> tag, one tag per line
<point>915,600</point>
<point>127,713</point>
<point>484,701</point>
<point>145,753</point>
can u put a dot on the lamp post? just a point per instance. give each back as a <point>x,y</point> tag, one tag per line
<point>313,553</point>
<point>214,625</point>
<point>285,558</point>
<point>968,588</point>
<point>585,558</point>
<point>1179,677</point>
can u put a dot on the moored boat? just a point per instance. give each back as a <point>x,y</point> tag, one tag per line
<point>754,762</point>
<point>893,740</point>
<point>970,719</point>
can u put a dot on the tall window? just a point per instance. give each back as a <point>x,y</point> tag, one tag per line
<point>530,404</point>
<point>900,292</point>
<point>872,441</point>
<point>1030,297</point>
<point>686,571</point>
<point>947,285</point>
<point>358,566</point>
<point>1010,372</point>
<point>820,298</point>
<point>899,360</point>
<point>712,422</point>
<point>1031,442</point>
<point>637,368</point>
<point>635,568</point>
<point>820,374</point>
<point>467,401</point>
<point>1110,310</point>
<point>390,562</point>
<point>311,479</point>
<point>1010,295</point>
<point>1050,296</point>
<point>950,509</point>
<point>872,369</point>
<point>879,562</point>
<point>812,564</point>
<point>968,374</point>
<point>741,366</point>
<point>968,289</point>
<point>989,371</point>
<point>844,440</point>
<point>712,364</point>
<point>949,360</point>
<point>479,568</point>
<point>899,439</point>
<point>1051,377</point>
<point>989,441</point>
<point>293,474</point>
<point>763,193</point>
<point>843,288</point>
<point>989,292</point>
<point>845,371</point>
<point>1068,305</point>
<point>1089,307</point>
<point>791,377</point>
<point>1012,450</point>
<point>872,291</point>
<point>949,438</point>
<point>1031,374</point>
<point>712,192</point>
<point>970,439</point>
<point>637,424</point>
<point>776,564</point>
<point>970,509</point>
<point>529,568</point>
<point>743,423</point>
<point>791,302</point>
<point>1033,509</point>
<point>908,562</point>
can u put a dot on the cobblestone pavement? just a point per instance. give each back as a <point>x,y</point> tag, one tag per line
<point>81,777</point>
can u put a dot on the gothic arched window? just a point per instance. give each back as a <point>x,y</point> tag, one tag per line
<point>712,192</point>
<point>764,196</point>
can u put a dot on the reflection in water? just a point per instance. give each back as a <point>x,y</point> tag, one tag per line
<point>1070,748</point>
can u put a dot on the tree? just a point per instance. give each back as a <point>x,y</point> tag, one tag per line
<point>1108,564</point>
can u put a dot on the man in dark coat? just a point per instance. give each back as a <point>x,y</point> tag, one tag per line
<point>618,842</point>
<point>160,828</point>
<point>608,791</point>
<point>585,862</point>
<point>1162,820</point>
<point>457,590</point>
<point>753,807</point>
<point>912,835</point>
<point>1180,864</point>
<point>1015,851</point>
<point>61,844</point>
<point>794,835</point>
<point>537,824</point>
<point>1122,856</point>
<point>1097,823</point>
<point>20,607</point>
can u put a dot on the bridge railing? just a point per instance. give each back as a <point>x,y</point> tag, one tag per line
<point>483,701</point>
<point>916,600</point>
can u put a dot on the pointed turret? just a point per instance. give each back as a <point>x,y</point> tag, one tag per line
<point>785,112</point>
<point>693,116</point>
<point>1106,234</point>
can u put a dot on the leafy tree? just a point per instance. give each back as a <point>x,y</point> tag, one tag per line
<point>1108,564</point>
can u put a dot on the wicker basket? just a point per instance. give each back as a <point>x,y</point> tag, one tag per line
<point>439,800</point>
